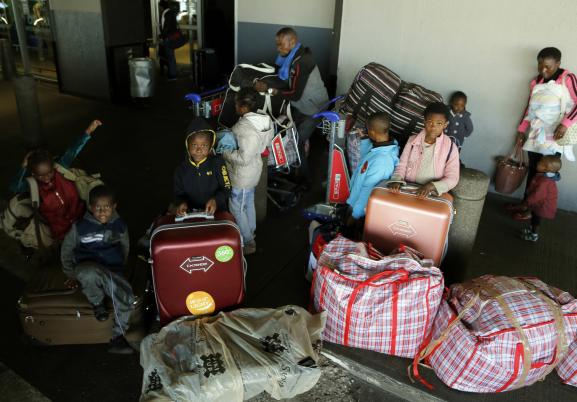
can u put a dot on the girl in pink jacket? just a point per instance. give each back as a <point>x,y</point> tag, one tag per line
<point>430,158</point>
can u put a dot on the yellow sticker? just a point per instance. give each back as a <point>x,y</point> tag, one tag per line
<point>200,303</point>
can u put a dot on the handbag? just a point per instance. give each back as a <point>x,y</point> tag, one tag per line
<point>511,171</point>
<point>570,137</point>
<point>175,40</point>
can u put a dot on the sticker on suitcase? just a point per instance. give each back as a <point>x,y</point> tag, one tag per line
<point>224,253</point>
<point>196,264</point>
<point>402,228</point>
<point>200,303</point>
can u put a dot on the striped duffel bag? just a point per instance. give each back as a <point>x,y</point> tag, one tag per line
<point>497,333</point>
<point>375,302</point>
<point>374,89</point>
<point>408,108</point>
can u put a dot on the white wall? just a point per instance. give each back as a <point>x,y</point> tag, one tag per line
<point>485,48</point>
<point>304,13</point>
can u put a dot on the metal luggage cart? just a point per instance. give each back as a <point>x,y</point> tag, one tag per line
<point>283,153</point>
<point>338,180</point>
<point>207,104</point>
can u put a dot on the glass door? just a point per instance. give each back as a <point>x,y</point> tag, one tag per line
<point>39,41</point>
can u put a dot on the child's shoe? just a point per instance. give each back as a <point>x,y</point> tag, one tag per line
<point>528,235</point>
<point>100,312</point>
<point>120,346</point>
<point>249,248</point>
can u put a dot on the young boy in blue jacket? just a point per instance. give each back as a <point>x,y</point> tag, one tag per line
<point>94,255</point>
<point>379,157</point>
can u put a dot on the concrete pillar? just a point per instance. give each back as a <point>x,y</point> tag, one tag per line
<point>7,58</point>
<point>260,198</point>
<point>28,109</point>
<point>469,198</point>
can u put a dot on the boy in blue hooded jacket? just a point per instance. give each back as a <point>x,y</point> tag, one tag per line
<point>379,157</point>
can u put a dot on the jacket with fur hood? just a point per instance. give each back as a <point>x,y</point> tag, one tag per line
<point>253,133</point>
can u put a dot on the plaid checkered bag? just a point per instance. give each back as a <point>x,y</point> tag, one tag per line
<point>381,303</point>
<point>497,334</point>
<point>567,368</point>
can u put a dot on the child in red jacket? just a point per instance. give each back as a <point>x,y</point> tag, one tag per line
<point>541,199</point>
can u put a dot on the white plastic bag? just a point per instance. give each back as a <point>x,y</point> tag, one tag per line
<point>233,356</point>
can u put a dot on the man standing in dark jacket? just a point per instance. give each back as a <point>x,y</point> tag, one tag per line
<point>301,84</point>
<point>170,37</point>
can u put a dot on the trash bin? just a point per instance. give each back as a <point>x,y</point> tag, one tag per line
<point>142,77</point>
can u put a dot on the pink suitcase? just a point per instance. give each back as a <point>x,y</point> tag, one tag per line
<point>393,219</point>
<point>197,266</point>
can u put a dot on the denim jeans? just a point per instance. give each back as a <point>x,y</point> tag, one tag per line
<point>242,207</point>
<point>97,282</point>
<point>168,51</point>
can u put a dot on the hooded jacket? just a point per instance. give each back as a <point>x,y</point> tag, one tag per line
<point>89,240</point>
<point>253,132</point>
<point>60,205</point>
<point>196,183</point>
<point>376,165</point>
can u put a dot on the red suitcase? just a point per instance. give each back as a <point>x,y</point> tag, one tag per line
<point>403,218</point>
<point>197,266</point>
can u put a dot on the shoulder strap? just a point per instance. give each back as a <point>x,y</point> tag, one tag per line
<point>67,173</point>
<point>34,193</point>
<point>35,198</point>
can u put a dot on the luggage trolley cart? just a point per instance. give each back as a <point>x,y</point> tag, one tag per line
<point>338,179</point>
<point>207,104</point>
<point>283,153</point>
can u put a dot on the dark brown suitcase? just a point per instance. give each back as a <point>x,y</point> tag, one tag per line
<point>197,266</point>
<point>51,314</point>
<point>393,219</point>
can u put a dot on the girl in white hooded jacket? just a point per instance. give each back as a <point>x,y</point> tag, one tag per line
<point>253,132</point>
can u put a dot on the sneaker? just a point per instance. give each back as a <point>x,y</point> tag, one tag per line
<point>120,346</point>
<point>530,236</point>
<point>100,312</point>
<point>249,248</point>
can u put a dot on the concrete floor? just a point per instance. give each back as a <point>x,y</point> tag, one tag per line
<point>136,152</point>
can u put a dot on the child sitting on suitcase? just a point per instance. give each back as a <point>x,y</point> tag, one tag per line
<point>430,158</point>
<point>94,254</point>
<point>379,156</point>
<point>460,124</point>
<point>253,132</point>
<point>201,181</point>
<point>541,200</point>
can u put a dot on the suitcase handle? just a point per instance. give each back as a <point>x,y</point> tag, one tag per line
<point>409,188</point>
<point>194,215</point>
